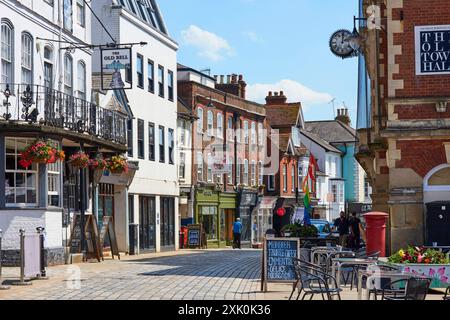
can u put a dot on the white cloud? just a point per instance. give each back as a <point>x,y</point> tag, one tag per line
<point>209,45</point>
<point>293,90</point>
<point>252,36</point>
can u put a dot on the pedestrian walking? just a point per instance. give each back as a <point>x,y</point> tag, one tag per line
<point>237,230</point>
<point>341,224</point>
<point>355,230</point>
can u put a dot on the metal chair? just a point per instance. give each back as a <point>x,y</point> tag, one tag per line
<point>447,294</point>
<point>362,255</point>
<point>378,291</point>
<point>340,254</point>
<point>315,282</point>
<point>298,283</point>
<point>415,289</point>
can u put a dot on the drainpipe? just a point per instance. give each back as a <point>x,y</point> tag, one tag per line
<point>60,56</point>
<point>377,87</point>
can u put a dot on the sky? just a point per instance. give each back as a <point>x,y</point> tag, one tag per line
<point>275,44</point>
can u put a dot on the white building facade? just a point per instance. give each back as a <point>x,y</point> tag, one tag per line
<point>153,195</point>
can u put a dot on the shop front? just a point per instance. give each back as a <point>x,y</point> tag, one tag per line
<point>262,220</point>
<point>216,211</point>
<point>247,202</point>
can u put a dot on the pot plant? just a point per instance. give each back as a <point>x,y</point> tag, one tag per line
<point>297,230</point>
<point>424,261</point>
<point>42,152</point>
<point>117,165</point>
<point>79,160</point>
<point>98,163</point>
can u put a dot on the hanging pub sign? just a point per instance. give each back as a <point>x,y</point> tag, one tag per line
<point>113,62</point>
<point>432,50</point>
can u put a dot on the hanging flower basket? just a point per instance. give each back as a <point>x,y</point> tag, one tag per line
<point>79,160</point>
<point>117,165</point>
<point>41,152</point>
<point>98,163</point>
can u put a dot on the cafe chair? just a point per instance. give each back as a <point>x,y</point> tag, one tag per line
<point>447,294</point>
<point>345,270</point>
<point>361,255</point>
<point>383,281</point>
<point>415,289</point>
<point>315,282</point>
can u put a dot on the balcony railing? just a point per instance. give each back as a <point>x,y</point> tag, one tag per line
<point>35,104</point>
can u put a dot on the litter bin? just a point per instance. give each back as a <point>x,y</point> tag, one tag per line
<point>133,235</point>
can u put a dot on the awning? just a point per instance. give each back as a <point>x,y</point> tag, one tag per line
<point>289,202</point>
<point>267,203</point>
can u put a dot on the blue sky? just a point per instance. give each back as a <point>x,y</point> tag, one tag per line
<point>275,44</point>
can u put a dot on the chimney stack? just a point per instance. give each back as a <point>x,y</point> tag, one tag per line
<point>235,85</point>
<point>276,98</point>
<point>343,116</point>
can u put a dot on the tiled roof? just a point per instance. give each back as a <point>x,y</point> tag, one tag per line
<point>333,131</point>
<point>184,109</point>
<point>324,144</point>
<point>283,115</point>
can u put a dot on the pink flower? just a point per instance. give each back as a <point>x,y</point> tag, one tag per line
<point>419,258</point>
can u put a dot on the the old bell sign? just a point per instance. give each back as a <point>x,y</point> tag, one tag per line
<point>432,50</point>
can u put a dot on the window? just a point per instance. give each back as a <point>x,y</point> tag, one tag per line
<point>246,172</point>
<point>182,166</point>
<point>48,67</point>
<point>182,131</point>
<point>81,13</point>
<point>253,173</point>
<point>238,172</point>
<point>341,193</point>
<point>20,183</point>
<point>67,12</point>
<point>81,74</point>
<point>7,48</point>
<point>366,189</point>
<point>151,141</point>
<point>199,166</point>
<point>209,177</point>
<point>54,182</point>
<point>151,76</point>
<point>130,137</point>
<point>162,143</point>
<point>293,178</point>
<point>131,6</point>
<point>230,133</point>
<point>170,85</point>
<point>285,178</point>
<point>246,132</point>
<point>253,133</point>
<point>260,134</point>
<point>140,71</point>
<point>261,173</point>
<point>68,75</point>
<point>200,120</point>
<point>161,81</point>
<point>230,170</point>
<point>27,58</point>
<point>171,147</point>
<point>210,123</point>
<point>238,132</point>
<point>271,186</point>
<point>140,138</point>
<point>334,191</point>
<point>220,125</point>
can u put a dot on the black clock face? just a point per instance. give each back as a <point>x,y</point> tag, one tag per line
<point>340,43</point>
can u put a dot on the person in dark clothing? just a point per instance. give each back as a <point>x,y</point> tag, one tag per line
<point>355,224</point>
<point>342,226</point>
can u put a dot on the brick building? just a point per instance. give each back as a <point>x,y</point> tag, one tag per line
<point>404,120</point>
<point>228,152</point>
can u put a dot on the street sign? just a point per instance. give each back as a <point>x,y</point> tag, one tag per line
<point>278,265</point>
<point>113,62</point>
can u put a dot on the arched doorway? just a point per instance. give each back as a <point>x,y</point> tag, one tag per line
<point>437,203</point>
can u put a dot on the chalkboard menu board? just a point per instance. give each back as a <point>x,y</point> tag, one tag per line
<point>75,239</point>
<point>90,236</point>
<point>194,236</point>
<point>277,260</point>
<point>108,228</point>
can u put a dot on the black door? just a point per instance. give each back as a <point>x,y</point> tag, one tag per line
<point>438,223</point>
<point>147,223</point>
<point>167,222</point>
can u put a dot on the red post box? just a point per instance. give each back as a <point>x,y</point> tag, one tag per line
<point>376,232</point>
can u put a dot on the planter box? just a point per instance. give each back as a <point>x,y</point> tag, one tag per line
<point>439,273</point>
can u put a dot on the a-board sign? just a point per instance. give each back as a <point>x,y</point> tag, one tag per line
<point>195,236</point>
<point>91,236</point>
<point>75,238</point>
<point>278,257</point>
<point>108,230</point>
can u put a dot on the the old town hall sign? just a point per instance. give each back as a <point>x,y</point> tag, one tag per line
<point>432,50</point>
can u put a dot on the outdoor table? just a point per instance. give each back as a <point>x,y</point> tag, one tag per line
<point>323,250</point>
<point>339,262</point>
<point>380,274</point>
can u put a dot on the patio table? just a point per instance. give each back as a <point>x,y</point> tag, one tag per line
<point>373,273</point>
<point>337,264</point>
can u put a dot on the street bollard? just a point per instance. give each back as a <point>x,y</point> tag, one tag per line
<point>43,275</point>
<point>2,287</point>
<point>22,261</point>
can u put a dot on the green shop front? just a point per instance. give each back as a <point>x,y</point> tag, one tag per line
<point>216,211</point>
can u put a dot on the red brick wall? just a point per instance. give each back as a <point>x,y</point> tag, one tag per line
<point>420,13</point>
<point>420,111</point>
<point>421,155</point>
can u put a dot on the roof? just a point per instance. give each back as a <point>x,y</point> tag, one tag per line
<point>147,11</point>
<point>286,115</point>
<point>184,110</point>
<point>181,67</point>
<point>324,144</point>
<point>333,131</point>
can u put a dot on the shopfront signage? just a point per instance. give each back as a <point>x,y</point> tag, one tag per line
<point>278,263</point>
<point>432,50</point>
<point>113,62</point>
<point>248,199</point>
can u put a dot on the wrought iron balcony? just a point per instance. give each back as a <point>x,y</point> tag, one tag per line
<point>35,104</point>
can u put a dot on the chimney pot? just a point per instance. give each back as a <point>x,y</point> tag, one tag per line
<point>222,78</point>
<point>281,93</point>
<point>276,94</point>
<point>228,78</point>
<point>234,78</point>
<point>241,77</point>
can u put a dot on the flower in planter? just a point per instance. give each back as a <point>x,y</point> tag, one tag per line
<point>416,255</point>
<point>79,160</point>
<point>98,163</point>
<point>41,151</point>
<point>118,165</point>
